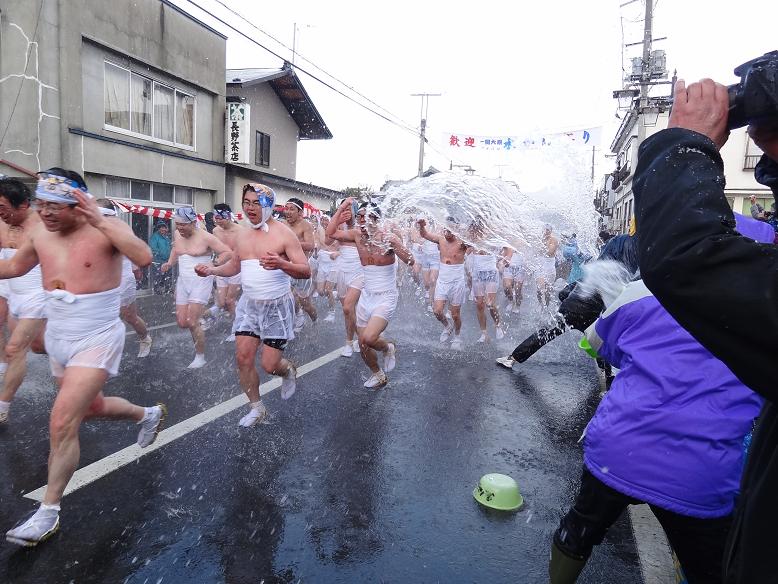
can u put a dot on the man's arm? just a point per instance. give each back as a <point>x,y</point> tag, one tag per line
<point>173,257</point>
<point>426,234</point>
<point>400,250</point>
<point>222,250</point>
<point>24,260</point>
<point>719,285</point>
<point>308,243</point>
<point>296,266</point>
<point>230,268</point>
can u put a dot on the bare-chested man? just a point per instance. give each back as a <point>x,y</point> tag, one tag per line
<point>515,270</point>
<point>430,266</point>
<point>80,253</point>
<point>227,288</point>
<point>130,276</point>
<point>546,265</point>
<point>192,246</point>
<point>484,283</point>
<point>450,285</point>
<point>302,288</point>
<point>351,277</point>
<point>267,256</point>
<point>377,250</point>
<point>326,275</point>
<point>26,299</point>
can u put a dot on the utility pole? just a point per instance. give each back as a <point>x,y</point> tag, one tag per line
<point>646,72</point>
<point>425,104</point>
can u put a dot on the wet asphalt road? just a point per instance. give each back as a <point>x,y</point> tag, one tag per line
<point>342,484</point>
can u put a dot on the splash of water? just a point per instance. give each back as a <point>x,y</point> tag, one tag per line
<point>605,277</point>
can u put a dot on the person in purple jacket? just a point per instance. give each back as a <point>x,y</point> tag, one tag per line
<point>669,433</point>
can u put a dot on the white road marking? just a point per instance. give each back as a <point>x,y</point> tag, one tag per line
<point>115,461</point>
<point>656,560</point>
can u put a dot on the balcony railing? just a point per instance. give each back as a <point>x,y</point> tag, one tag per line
<point>750,161</point>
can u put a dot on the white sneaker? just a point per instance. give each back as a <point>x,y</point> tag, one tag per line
<point>506,362</point>
<point>199,361</point>
<point>37,529</point>
<point>377,380</point>
<point>445,335</point>
<point>456,344</point>
<point>230,338</point>
<point>151,426</point>
<point>355,345</point>
<point>144,347</point>
<point>289,382</point>
<point>347,351</point>
<point>256,415</point>
<point>299,322</point>
<point>483,338</point>
<point>330,317</point>
<point>498,333</point>
<point>390,357</point>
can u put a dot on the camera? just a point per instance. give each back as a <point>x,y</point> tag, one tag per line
<point>756,96</point>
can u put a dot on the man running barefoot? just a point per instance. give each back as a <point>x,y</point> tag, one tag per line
<point>484,283</point>
<point>227,289</point>
<point>377,250</point>
<point>351,277</point>
<point>80,253</point>
<point>26,299</point>
<point>451,285</point>
<point>326,276</point>
<point>546,269</point>
<point>130,275</point>
<point>192,246</point>
<point>267,256</point>
<point>304,287</point>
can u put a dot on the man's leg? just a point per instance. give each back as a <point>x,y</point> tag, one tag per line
<point>596,508</point>
<point>370,341</point>
<point>698,543</point>
<point>518,285</point>
<point>308,307</point>
<point>23,333</point>
<point>480,312</point>
<point>456,316</point>
<point>3,321</point>
<point>245,356</point>
<point>507,286</point>
<point>349,302</point>
<point>491,302</point>
<point>433,275</point>
<point>541,292</point>
<point>438,309</point>
<point>129,314</point>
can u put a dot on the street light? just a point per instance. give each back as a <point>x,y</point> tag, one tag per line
<point>650,116</point>
<point>625,97</point>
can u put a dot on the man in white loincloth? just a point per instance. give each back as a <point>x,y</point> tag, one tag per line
<point>80,254</point>
<point>267,256</point>
<point>302,288</point>
<point>377,250</point>
<point>450,287</point>
<point>192,246</point>
<point>326,275</point>
<point>545,273</point>
<point>484,282</point>
<point>227,289</point>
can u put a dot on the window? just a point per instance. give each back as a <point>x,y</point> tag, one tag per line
<point>117,97</point>
<point>140,190</point>
<point>164,120</point>
<point>141,106</point>
<point>117,188</point>
<point>163,193</point>
<point>184,119</point>
<point>262,153</point>
<point>753,154</point>
<point>183,196</point>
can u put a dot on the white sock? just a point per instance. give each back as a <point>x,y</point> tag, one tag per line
<point>5,407</point>
<point>49,508</point>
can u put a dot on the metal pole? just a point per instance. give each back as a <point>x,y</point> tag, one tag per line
<point>645,77</point>
<point>294,42</point>
<point>423,125</point>
<point>593,149</point>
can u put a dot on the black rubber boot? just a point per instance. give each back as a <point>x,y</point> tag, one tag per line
<point>562,569</point>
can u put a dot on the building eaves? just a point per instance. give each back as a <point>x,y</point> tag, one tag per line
<point>266,177</point>
<point>290,91</point>
<point>192,18</point>
<point>624,131</point>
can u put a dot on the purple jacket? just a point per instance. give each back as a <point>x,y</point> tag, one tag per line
<point>670,430</point>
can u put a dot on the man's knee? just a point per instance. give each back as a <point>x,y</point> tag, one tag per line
<point>183,321</point>
<point>438,312</point>
<point>244,360</point>
<point>62,425</point>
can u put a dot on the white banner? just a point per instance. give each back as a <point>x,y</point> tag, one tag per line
<point>236,142</point>
<point>586,137</point>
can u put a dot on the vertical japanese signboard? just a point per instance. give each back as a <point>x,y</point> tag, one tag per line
<point>237,139</point>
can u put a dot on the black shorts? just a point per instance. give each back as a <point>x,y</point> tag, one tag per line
<point>279,344</point>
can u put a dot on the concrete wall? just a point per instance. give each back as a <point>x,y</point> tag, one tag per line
<point>64,86</point>
<point>268,115</point>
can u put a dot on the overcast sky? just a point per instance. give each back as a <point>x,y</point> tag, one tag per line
<point>507,68</point>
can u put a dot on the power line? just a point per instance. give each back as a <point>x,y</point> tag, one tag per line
<point>304,58</point>
<point>311,75</point>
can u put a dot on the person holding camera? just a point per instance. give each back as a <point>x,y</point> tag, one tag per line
<point>720,286</point>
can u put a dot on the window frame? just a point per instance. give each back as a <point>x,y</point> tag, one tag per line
<point>154,83</point>
<point>259,149</point>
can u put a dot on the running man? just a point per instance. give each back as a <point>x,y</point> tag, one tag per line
<point>513,275</point>
<point>26,299</point>
<point>192,246</point>
<point>303,287</point>
<point>377,250</point>
<point>227,289</point>
<point>451,285</point>
<point>80,254</point>
<point>350,277</point>
<point>546,269</point>
<point>129,309</point>
<point>484,284</point>
<point>326,275</point>
<point>267,256</point>
<point>430,267</point>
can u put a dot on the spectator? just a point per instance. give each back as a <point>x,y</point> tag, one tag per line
<point>720,286</point>
<point>160,248</point>
<point>757,211</point>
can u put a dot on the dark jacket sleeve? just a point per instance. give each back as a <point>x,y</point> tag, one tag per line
<point>720,286</point>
